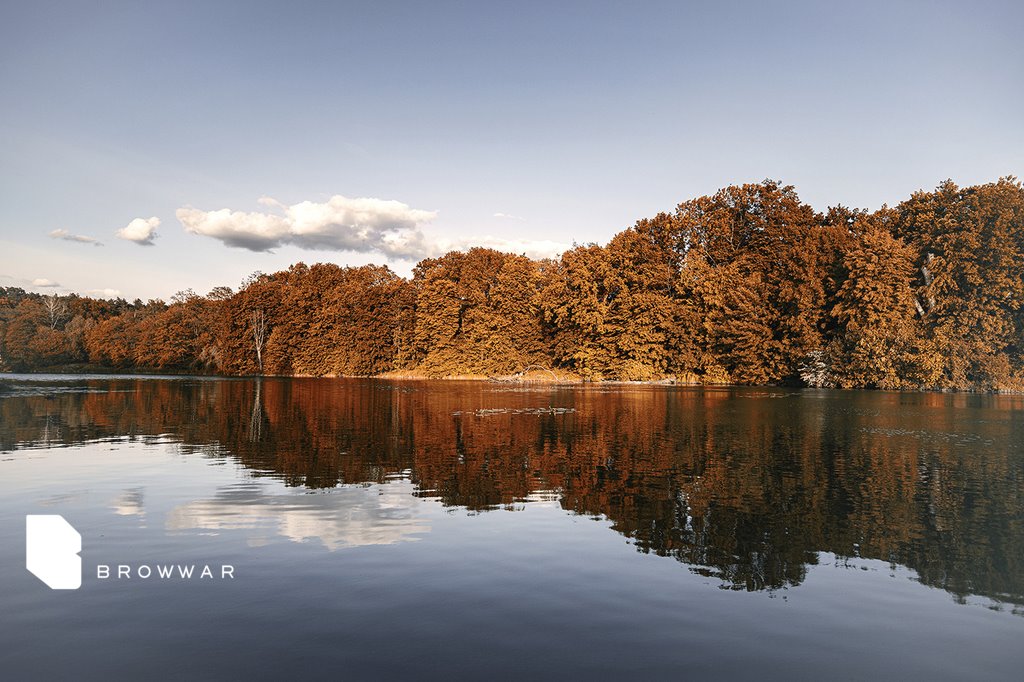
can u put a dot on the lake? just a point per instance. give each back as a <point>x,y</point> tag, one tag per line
<point>471,530</point>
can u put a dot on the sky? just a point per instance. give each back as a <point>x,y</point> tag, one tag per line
<point>146,148</point>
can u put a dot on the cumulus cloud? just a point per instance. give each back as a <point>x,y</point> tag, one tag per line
<point>339,224</point>
<point>142,231</point>
<point>364,225</point>
<point>68,237</point>
<point>46,283</point>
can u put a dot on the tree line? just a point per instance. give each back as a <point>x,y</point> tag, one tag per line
<point>747,286</point>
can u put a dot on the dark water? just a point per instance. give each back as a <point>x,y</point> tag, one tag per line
<point>468,530</point>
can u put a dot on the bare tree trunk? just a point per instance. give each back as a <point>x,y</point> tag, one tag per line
<point>260,329</point>
<point>928,279</point>
<point>56,309</point>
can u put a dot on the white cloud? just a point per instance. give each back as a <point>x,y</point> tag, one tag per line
<point>142,231</point>
<point>339,224</point>
<point>103,293</point>
<point>509,216</point>
<point>43,282</point>
<point>271,202</point>
<point>364,225</point>
<point>68,237</point>
<point>533,248</point>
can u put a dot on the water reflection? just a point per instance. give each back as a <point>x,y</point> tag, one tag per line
<point>130,503</point>
<point>746,486</point>
<point>353,516</point>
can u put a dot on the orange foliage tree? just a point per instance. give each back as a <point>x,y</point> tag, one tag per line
<point>748,285</point>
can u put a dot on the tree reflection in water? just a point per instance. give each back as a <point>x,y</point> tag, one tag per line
<point>745,485</point>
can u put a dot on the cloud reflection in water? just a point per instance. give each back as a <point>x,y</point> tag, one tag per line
<point>348,516</point>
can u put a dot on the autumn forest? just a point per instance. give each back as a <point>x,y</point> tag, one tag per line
<point>748,286</point>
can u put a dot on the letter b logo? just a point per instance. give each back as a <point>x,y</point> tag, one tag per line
<point>51,551</point>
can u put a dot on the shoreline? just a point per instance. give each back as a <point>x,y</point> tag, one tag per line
<point>535,378</point>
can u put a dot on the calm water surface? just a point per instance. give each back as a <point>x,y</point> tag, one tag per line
<point>464,530</point>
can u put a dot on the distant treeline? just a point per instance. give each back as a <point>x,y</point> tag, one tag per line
<point>747,286</point>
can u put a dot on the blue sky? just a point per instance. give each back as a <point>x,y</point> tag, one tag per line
<point>249,131</point>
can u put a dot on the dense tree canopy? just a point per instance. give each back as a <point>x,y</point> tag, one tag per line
<point>749,285</point>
